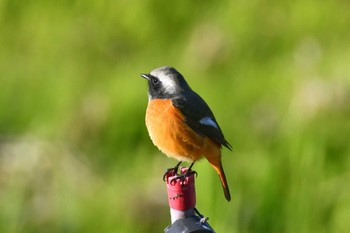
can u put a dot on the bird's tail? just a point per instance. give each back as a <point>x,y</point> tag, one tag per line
<point>220,170</point>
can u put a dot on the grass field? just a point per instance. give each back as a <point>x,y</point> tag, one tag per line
<point>75,155</point>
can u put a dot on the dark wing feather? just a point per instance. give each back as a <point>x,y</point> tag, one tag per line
<point>194,108</point>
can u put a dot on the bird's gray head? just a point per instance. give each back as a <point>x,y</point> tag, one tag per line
<point>165,83</point>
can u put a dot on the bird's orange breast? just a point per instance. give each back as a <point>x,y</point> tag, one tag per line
<point>169,132</point>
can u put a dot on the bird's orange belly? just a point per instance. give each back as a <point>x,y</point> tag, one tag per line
<point>170,133</point>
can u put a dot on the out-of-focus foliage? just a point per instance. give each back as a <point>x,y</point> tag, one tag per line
<point>74,152</point>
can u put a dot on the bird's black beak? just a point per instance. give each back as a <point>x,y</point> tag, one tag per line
<point>146,76</point>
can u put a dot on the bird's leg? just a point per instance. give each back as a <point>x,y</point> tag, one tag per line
<point>173,170</point>
<point>176,168</point>
<point>182,177</point>
<point>189,168</point>
<point>189,171</point>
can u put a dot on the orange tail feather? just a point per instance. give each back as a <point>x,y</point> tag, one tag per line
<point>220,170</point>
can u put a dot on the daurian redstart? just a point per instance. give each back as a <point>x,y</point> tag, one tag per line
<point>181,124</point>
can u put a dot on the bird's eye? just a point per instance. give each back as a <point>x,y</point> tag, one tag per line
<point>155,80</point>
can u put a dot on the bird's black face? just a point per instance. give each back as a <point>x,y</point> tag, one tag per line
<point>165,83</point>
<point>155,87</point>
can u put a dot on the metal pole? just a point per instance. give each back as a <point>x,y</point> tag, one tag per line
<point>185,218</point>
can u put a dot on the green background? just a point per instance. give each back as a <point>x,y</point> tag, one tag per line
<point>75,155</point>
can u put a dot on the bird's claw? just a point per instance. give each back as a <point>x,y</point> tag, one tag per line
<point>173,171</point>
<point>182,177</point>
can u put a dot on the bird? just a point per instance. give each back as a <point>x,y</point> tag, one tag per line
<point>181,124</point>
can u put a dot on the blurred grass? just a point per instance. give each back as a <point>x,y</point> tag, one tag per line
<point>74,152</point>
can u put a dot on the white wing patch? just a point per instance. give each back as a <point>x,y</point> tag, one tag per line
<point>208,121</point>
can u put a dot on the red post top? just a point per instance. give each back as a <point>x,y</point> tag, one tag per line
<point>181,191</point>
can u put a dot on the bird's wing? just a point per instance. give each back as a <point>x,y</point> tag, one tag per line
<point>200,118</point>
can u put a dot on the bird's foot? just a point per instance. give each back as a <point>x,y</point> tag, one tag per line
<point>182,177</point>
<point>171,171</point>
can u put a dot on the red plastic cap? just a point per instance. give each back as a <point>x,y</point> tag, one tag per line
<point>181,192</point>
